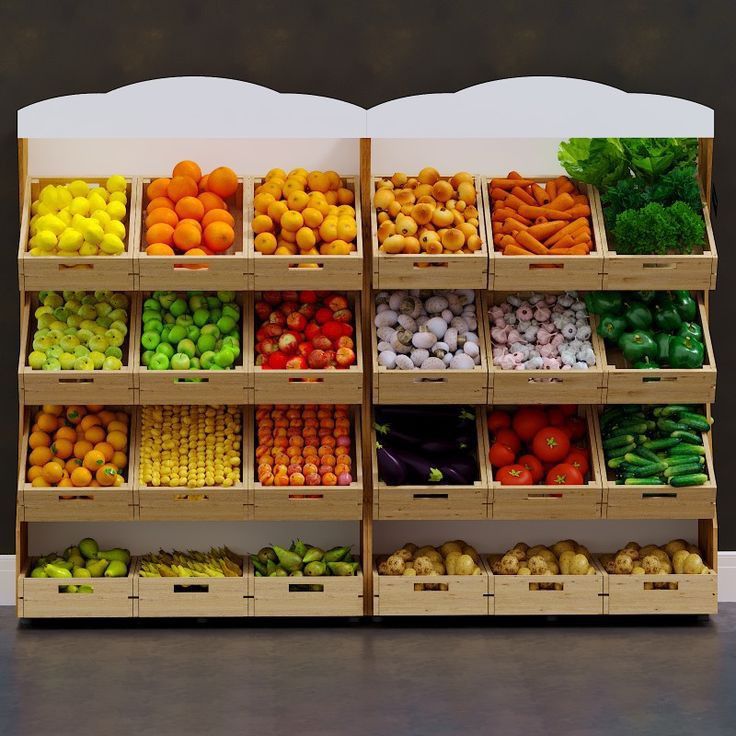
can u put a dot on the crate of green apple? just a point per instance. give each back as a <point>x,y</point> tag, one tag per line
<point>191,347</point>
<point>307,347</point>
<point>658,346</point>
<point>426,463</point>
<point>83,580</point>
<point>544,463</point>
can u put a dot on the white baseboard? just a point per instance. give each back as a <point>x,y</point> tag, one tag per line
<point>726,578</point>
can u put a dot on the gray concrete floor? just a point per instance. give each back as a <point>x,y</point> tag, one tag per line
<point>459,677</point>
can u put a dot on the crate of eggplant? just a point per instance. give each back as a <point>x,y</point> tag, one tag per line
<point>426,463</point>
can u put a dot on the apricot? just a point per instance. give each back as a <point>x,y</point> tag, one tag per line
<point>399,179</point>
<point>466,192</point>
<point>394,208</point>
<point>405,196</point>
<point>393,244</point>
<point>474,243</point>
<point>405,225</point>
<point>386,229</point>
<point>422,213</point>
<point>411,245</point>
<point>461,176</point>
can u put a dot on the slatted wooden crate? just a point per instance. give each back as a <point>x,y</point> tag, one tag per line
<point>545,386</point>
<point>45,597</point>
<point>76,387</point>
<point>627,385</point>
<point>193,597</point>
<point>437,501</point>
<point>427,271</point>
<point>76,272</point>
<point>305,503</point>
<point>231,386</point>
<point>434,386</point>
<point>542,273</point>
<point>659,501</point>
<point>551,502</point>
<point>520,595</point>
<point>225,271</point>
<point>113,503</point>
<point>308,272</point>
<point>312,386</point>
<point>466,595</point>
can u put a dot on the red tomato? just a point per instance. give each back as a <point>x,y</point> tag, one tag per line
<point>556,416</point>
<point>568,409</point>
<point>575,427</point>
<point>564,474</point>
<point>551,444</point>
<point>514,475</point>
<point>509,438</point>
<point>578,458</point>
<point>498,419</point>
<point>528,420</point>
<point>533,465</point>
<point>501,455</point>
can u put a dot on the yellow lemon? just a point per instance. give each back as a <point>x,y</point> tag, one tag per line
<point>93,232</point>
<point>112,244</point>
<point>115,227</point>
<point>88,249</point>
<point>101,216</point>
<point>79,206</point>
<point>65,216</point>
<point>96,202</point>
<point>116,183</point>
<point>64,196</point>
<point>119,197</point>
<point>78,188</point>
<point>116,210</point>
<point>70,240</point>
<point>45,239</point>
<point>102,192</point>
<point>51,222</point>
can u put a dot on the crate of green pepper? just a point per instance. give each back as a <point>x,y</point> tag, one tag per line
<point>657,346</point>
<point>658,462</point>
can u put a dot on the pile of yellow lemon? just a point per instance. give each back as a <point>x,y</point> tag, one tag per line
<point>190,446</point>
<point>76,219</point>
<point>304,213</point>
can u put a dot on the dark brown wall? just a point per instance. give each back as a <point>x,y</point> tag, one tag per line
<point>367,54</point>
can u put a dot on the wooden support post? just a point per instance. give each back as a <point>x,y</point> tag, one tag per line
<point>22,170</point>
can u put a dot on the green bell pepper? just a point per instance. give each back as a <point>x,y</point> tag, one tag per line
<point>666,317</point>
<point>691,329</point>
<point>663,347</point>
<point>604,302</point>
<point>638,345</point>
<point>647,297</point>
<point>611,327</point>
<point>646,364</point>
<point>685,352</point>
<point>638,315</point>
<point>685,305</point>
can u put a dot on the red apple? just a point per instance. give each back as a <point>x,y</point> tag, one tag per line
<point>322,342</point>
<point>268,346</point>
<point>336,301</point>
<point>277,318</point>
<point>262,309</point>
<point>343,315</point>
<point>318,359</point>
<point>308,297</point>
<point>297,363</point>
<point>332,329</point>
<point>288,343</point>
<point>272,297</point>
<point>277,360</point>
<point>311,330</point>
<point>345,342</point>
<point>290,296</point>
<point>345,357</point>
<point>288,307</point>
<point>272,330</point>
<point>307,310</point>
<point>331,362</point>
<point>347,329</point>
<point>261,360</point>
<point>323,315</point>
<point>296,321</point>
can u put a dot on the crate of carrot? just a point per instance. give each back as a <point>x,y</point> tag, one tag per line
<point>537,224</point>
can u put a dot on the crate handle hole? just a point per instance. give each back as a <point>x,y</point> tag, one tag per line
<point>306,497</point>
<point>533,379</point>
<point>543,496</point>
<point>440,264</point>
<point>658,495</point>
<point>674,586</point>
<point>197,588</point>
<point>532,266</point>
<point>295,266</point>
<point>75,498</point>
<point>557,587</point>
<point>191,497</point>
<point>306,380</point>
<point>76,380</point>
<point>63,589</point>
<point>666,266</point>
<point>430,380</point>
<point>302,588</point>
<point>430,496</point>
<point>182,268</point>
<point>79,266</point>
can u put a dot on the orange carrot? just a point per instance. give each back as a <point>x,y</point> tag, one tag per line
<point>564,242</point>
<point>541,197</point>
<point>581,236</point>
<point>498,194</point>
<point>508,240</point>
<point>497,238</point>
<point>504,213</point>
<point>551,189</point>
<point>561,202</point>
<point>527,210</point>
<point>496,227</point>
<point>565,187</point>
<point>516,250</point>
<point>545,230</point>
<point>580,199</point>
<point>509,184</point>
<point>569,228</point>
<point>513,201</point>
<point>512,225</point>
<point>530,243</point>
<point>523,195</point>
<point>580,210</point>
<point>514,175</point>
<point>575,250</point>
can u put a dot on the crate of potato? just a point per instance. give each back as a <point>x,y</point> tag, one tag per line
<point>656,462</point>
<point>192,347</point>
<point>449,580</point>
<point>545,233</point>
<point>77,232</point>
<point>544,463</point>
<point>677,577</point>
<point>574,582</point>
<point>305,230</point>
<point>429,348</point>
<point>428,231</point>
<point>191,463</point>
<point>428,463</point>
<point>543,348</point>
<point>308,462</point>
<point>74,464</point>
<point>307,347</point>
<point>189,231</point>
<point>191,584</point>
<point>79,345</point>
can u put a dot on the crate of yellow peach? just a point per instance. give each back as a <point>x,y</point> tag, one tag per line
<point>428,231</point>
<point>74,463</point>
<point>305,230</point>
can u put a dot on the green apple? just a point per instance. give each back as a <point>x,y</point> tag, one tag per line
<point>231,310</point>
<point>226,296</point>
<point>165,298</point>
<point>211,330</point>
<point>115,337</point>
<point>178,307</point>
<point>180,362</point>
<point>165,348</point>
<point>197,300</point>
<point>201,317</point>
<point>55,336</point>
<point>102,295</point>
<point>66,360</point>
<point>206,343</point>
<point>98,329</point>
<point>97,359</point>
<point>69,342</point>
<point>54,351</point>
<point>193,333</point>
<point>233,343</point>
<point>111,364</point>
<point>51,364</point>
<point>104,322</point>
<point>87,324</point>
<point>72,305</point>
<point>169,319</point>
<point>207,359</point>
<point>61,314</point>
<point>154,325</point>
<point>81,351</point>
<point>88,299</point>
<point>158,362</point>
<point>103,309</point>
<point>36,360</point>
<point>98,343</point>
<point>176,333</point>
<point>194,363</point>
<point>114,352</point>
<point>119,301</point>
<point>185,320</point>
<point>165,332</point>
<point>40,311</point>
<point>149,314</point>
<point>146,356</point>
<point>215,314</point>
<point>225,324</point>
<point>150,340</point>
<point>213,302</point>
<point>119,326</point>
<point>42,343</point>
<point>53,300</point>
<point>187,347</point>
<point>84,364</point>
<point>224,357</point>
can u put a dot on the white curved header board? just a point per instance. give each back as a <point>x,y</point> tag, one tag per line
<point>523,107</point>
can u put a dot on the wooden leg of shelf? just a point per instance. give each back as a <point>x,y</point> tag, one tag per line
<point>708,540</point>
<point>22,170</point>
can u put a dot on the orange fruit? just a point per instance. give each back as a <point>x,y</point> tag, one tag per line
<point>222,181</point>
<point>188,168</point>
<point>159,233</point>
<point>190,221</point>
<point>305,238</point>
<point>82,447</point>
<point>52,473</point>
<point>270,187</point>
<point>94,408</point>
<point>162,215</point>
<point>38,439</point>
<point>196,252</point>
<point>56,409</point>
<point>119,459</point>
<point>186,236</point>
<point>297,200</point>
<point>157,188</point>
<point>262,224</point>
<point>118,426</point>
<point>182,186</point>
<point>62,448</point>
<point>106,449</point>
<point>94,484</point>
<point>93,459</point>
<point>292,220</point>
<point>203,183</point>
<point>47,422</point>
<point>158,202</point>
<point>74,414</point>
<point>35,471</point>
<point>91,420</point>
<point>39,482</point>
<point>265,243</point>
<point>121,416</point>
<point>65,483</point>
<point>159,249</point>
<point>312,217</point>
<point>262,201</point>
<point>190,207</point>
<point>276,209</point>
<point>119,440</point>
<point>105,475</point>
<point>218,236</point>
<point>218,215</point>
<point>95,435</point>
<point>211,201</point>
<point>40,456</point>
<point>81,477</point>
<point>106,416</point>
<point>318,181</point>
<point>72,464</point>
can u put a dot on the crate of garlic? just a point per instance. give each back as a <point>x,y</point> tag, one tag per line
<point>573,583</point>
<point>676,577</point>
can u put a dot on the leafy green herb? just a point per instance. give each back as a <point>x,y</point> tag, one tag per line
<point>651,158</point>
<point>597,161</point>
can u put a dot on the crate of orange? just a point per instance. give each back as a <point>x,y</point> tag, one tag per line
<point>189,232</point>
<point>546,233</point>
<point>74,463</point>
<point>304,230</point>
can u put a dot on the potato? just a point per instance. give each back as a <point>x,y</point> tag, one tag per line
<point>476,570</point>
<point>423,565</point>
<point>665,568</point>
<point>383,568</point>
<point>524,571</point>
<point>434,555</point>
<point>533,586</point>
<point>448,547</point>
<point>548,556</point>
<point>566,544</point>
<point>409,565</point>
<point>693,549</point>
<point>395,565</point>
<point>566,558</point>
<point>583,550</point>
<point>623,564</point>
<point>532,551</point>
<point>678,560</point>
<point>610,567</point>
<point>579,565</point>
<point>465,565</point>
<point>646,550</point>
<point>509,565</point>
<point>638,570</point>
<point>418,586</point>
<point>472,552</point>
<point>409,571</point>
<point>651,565</point>
<point>632,545</point>
<point>674,545</point>
<point>422,551</point>
<point>405,554</point>
<point>661,555</point>
<point>496,566</point>
<point>693,565</point>
<point>451,564</point>
<point>537,565</point>
<point>591,570</point>
<point>553,568</point>
<point>648,586</point>
<point>411,547</point>
<point>438,567</point>
<point>632,552</point>
<point>523,546</point>
<point>604,559</point>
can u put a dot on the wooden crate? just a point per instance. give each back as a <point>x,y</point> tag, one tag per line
<point>428,502</point>
<point>625,385</point>
<point>303,596</point>
<point>514,595</point>
<point>550,502</point>
<point>75,504</point>
<point>193,597</point>
<point>442,271</point>
<point>312,386</point>
<point>660,501</point>
<point>215,387</point>
<point>695,271</point>
<point>545,387</point>
<point>227,271</point>
<point>43,597</point>
<point>545,273</point>
<point>76,387</point>
<point>181,503</point>
<point>64,272</point>
<point>307,503</point>
<point>308,272</point>
<point>434,387</point>
<point>466,595</point>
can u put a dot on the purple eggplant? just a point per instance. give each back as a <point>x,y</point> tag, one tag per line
<point>390,469</point>
<point>460,470</point>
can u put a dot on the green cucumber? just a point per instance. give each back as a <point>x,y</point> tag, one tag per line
<point>696,479</point>
<point>686,449</point>
<point>691,437</point>
<point>668,426</point>
<point>695,421</point>
<point>620,451</point>
<point>648,454</point>
<point>687,469</point>
<point>634,459</point>
<point>650,469</point>
<point>653,481</point>
<point>617,441</point>
<point>665,443</point>
<point>616,462</point>
<point>684,460</point>
<point>673,409</point>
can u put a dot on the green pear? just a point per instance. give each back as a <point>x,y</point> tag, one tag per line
<point>85,589</point>
<point>116,553</point>
<point>54,571</point>
<point>116,569</point>
<point>89,548</point>
<point>81,572</point>
<point>71,589</point>
<point>76,560</point>
<point>70,551</point>
<point>60,562</point>
<point>38,572</point>
<point>97,567</point>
